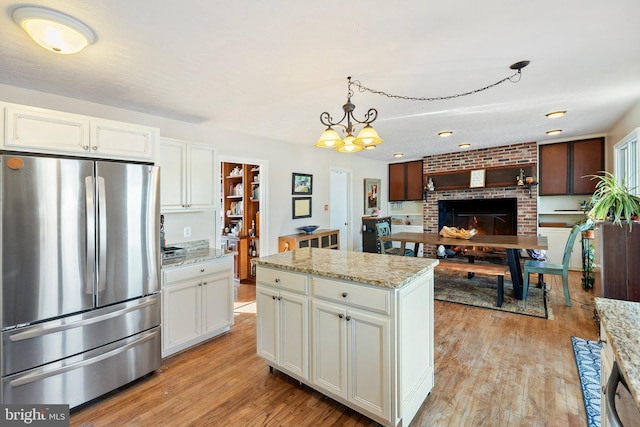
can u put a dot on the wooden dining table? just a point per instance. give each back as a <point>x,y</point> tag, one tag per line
<point>511,243</point>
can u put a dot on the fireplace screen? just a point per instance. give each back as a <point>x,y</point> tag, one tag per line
<point>487,216</point>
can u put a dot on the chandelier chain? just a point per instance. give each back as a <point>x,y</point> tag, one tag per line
<point>514,78</point>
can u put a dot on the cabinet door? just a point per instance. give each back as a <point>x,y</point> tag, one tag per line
<point>294,334</point>
<point>181,320</point>
<point>396,182</point>
<point>267,324</point>
<point>369,364</point>
<point>587,158</point>
<point>217,302</point>
<point>201,173</point>
<point>554,169</point>
<point>172,160</point>
<point>122,140</point>
<point>414,183</point>
<point>329,346</point>
<point>36,129</point>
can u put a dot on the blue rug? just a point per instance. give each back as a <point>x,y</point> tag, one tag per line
<point>588,361</point>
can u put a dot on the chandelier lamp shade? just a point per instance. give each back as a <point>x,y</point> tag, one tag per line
<point>367,137</point>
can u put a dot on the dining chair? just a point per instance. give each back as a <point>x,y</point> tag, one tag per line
<point>543,267</point>
<point>386,247</point>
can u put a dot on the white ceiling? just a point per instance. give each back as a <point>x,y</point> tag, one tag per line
<point>269,68</point>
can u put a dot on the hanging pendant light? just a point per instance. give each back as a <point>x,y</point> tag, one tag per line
<point>367,137</point>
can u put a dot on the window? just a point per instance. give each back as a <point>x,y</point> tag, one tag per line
<point>626,161</point>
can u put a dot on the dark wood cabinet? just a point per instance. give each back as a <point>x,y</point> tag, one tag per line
<point>564,166</point>
<point>406,181</point>
<point>619,252</point>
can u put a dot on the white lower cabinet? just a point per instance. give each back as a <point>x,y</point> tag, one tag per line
<point>197,303</point>
<point>351,356</point>
<point>283,323</point>
<point>368,347</point>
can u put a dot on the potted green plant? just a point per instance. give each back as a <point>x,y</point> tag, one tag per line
<point>613,201</point>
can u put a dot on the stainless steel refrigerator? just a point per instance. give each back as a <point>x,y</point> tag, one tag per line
<point>80,277</point>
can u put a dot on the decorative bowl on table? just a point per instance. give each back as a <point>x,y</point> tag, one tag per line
<point>308,228</point>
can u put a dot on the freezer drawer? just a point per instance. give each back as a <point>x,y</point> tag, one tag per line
<point>83,377</point>
<point>36,345</point>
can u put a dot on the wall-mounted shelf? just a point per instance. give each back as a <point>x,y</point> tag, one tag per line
<point>501,176</point>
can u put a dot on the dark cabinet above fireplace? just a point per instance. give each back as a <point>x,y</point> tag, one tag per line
<point>406,181</point>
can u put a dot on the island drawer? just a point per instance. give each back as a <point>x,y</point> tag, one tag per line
<point>282,279</point>
<point>351,294</point>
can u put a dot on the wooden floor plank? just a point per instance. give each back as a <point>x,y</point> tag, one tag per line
<point>491,368</point>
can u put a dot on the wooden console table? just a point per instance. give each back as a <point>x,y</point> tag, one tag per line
<point>328,239</point>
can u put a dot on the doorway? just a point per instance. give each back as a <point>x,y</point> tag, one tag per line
<point>340,205</point>
<point>243,212</point>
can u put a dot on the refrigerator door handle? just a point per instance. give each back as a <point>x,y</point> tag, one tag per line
<point>102,238</point>
<point>91,234</point>
<point>41,374</point>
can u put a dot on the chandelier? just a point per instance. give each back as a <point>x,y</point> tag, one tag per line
<point>367,137</point>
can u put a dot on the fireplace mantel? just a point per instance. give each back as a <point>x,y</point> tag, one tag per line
<point>498,176</point>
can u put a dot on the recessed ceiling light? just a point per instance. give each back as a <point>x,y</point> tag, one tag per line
<point>445,133</point>
<point>53,30</point>
<point>554,132</point>
<point>398,154</point>
<point>465,145</point>
<point>555,114</point>
<point>370,147</point>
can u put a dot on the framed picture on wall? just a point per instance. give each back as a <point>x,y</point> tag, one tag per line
<point>477,178</point>
<point>371,196</point>
<point>301,183</point>
<point>301,207</point>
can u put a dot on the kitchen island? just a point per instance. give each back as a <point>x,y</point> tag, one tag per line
<point>357,327</point>
<point>620,346</point>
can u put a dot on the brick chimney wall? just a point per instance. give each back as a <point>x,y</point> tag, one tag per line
<point>509,155</point>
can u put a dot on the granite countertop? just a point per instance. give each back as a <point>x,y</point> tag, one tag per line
<point>195,256</point>
<point>621,319</point>
<point>390,271</point>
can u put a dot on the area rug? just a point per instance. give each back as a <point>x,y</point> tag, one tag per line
<point>588,361</point>
<point>481,291</point>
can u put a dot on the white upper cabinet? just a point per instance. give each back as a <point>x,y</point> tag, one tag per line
<point>122,140</point>
<point>187,175</point>
<point>39,130</point>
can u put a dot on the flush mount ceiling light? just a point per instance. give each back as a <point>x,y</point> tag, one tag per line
<point>464,145</point>
<point>445,133</point>
<point>53,30</point>
<point>555,114</point>
<point>366,137</point>
<point>397,155</point>
<point>554,131</point>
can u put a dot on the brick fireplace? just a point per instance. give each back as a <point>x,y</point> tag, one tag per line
<point>510,155</point>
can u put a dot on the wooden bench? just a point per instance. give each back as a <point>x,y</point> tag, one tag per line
<point>489,269</point>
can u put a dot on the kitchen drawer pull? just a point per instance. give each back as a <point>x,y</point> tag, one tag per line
<point>344,294</point>
<point>202,270</point>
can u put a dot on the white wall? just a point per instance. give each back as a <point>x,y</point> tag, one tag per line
<point>629,121</point>
<point>282,159</point>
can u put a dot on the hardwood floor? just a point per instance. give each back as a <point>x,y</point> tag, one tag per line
<point>492,369</point>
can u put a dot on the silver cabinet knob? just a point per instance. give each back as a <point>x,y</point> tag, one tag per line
<point>348,318</point>
<point>340,315</point>
<point>85,147</point>
<point>94,148</point>
<point>202,270</point>
<point>344,295</point>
